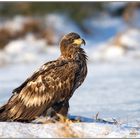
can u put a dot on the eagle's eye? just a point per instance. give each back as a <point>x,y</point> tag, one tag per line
<point>71,40</point>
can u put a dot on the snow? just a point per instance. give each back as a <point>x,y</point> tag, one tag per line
<point>81,130</point>
<point>25,51</point>
<point>63,25</point>
<point>131,39</point>
<point>107,52</point>
<point>111,87</point>
<point>14,24</point>
<point>105,90</point>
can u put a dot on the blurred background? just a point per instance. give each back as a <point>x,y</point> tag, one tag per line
<point>29,36</point>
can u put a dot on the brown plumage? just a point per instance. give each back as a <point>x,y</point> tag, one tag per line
<point>49,89</point>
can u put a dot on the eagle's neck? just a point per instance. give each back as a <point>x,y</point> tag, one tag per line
<point>73,53</point>
<point>79,56</point>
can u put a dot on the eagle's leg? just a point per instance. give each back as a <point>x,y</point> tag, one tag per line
<point>62,109</point>
<point>58,109</point>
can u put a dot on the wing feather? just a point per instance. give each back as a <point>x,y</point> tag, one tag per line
<point>53,82</point>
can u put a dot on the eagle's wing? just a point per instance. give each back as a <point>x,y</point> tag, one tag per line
<point>52,83</point>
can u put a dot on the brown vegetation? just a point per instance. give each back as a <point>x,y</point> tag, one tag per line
<point>66,130</point>
<point>30,26</point>
<point>129,10</point>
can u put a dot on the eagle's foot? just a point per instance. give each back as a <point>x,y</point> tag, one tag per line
<point>62,119</point>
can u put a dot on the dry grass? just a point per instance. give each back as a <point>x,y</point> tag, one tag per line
<point>133,133</point>
<point>4,37</point>
<point>65,130</point>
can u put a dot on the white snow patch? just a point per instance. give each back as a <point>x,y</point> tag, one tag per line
<point>23,50</point>
<point>107,52</point>
<point>131,38</point>
<point>14,24</point>
<point>83,130</point>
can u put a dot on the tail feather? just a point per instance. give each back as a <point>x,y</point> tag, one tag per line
<point>3,116</point>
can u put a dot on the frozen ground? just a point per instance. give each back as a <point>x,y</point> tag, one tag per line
<point>78,130</point>
<point>111,87</point>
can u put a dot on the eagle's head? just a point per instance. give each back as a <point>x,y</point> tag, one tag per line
<point>72,39</point>
<point>70,46</point>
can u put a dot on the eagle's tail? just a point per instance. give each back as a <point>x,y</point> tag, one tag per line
<point>3,116</point>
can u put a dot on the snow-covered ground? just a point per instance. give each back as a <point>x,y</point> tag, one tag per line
<point>59,130</point>
<point>111,88</point>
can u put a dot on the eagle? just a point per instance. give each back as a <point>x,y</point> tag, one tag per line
<point>48,90</point>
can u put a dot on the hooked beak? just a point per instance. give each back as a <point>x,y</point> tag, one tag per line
<point>79,41</point>
<point>83,42</point>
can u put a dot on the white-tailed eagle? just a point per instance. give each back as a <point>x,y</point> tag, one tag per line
<point>51,87</point>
